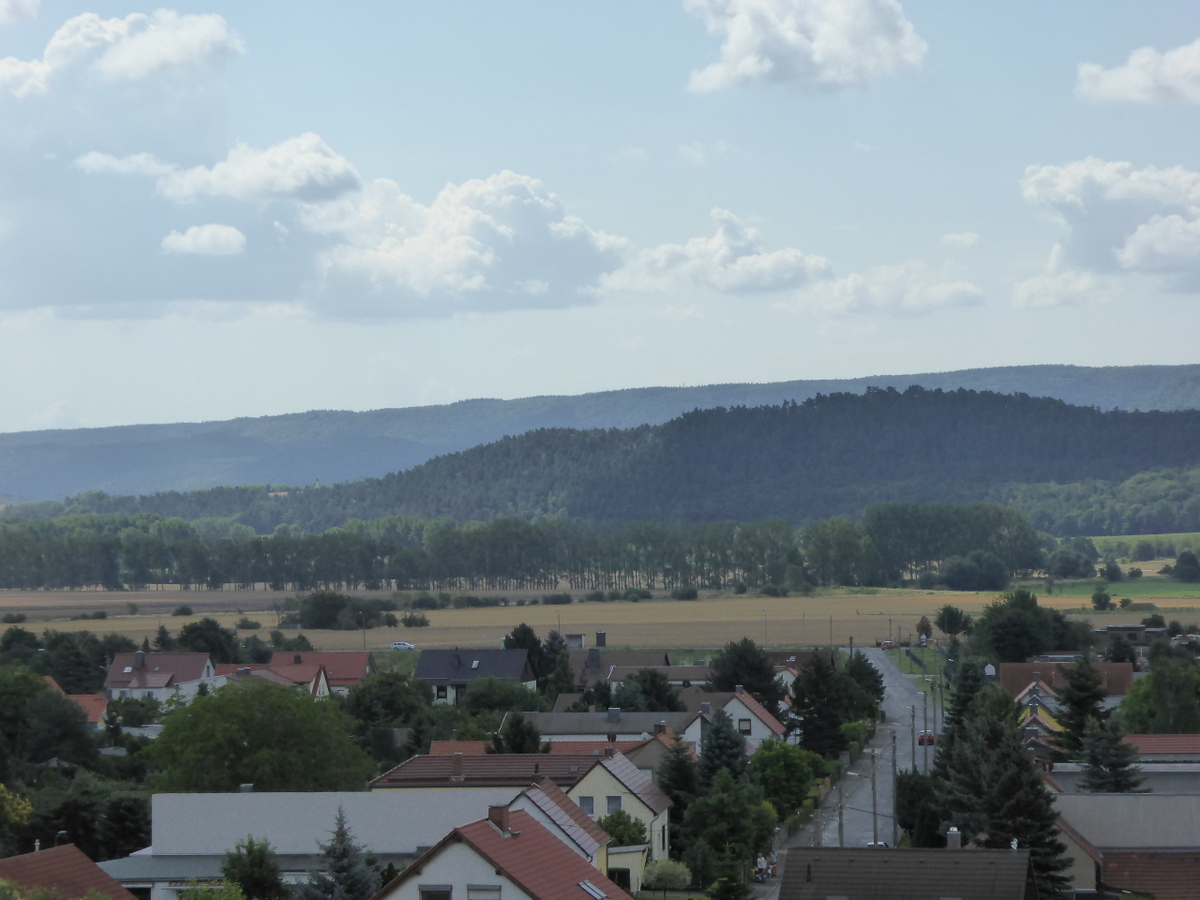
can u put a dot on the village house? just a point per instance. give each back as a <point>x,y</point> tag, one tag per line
<point>344,669</point>
<point>450,672</point>
<point>310,678</point>
<point>613,725</point>
<point>750,718</point>
<point>64,872</point>
<point>159,675</point>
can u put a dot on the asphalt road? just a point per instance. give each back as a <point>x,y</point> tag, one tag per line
<point>858,825</point>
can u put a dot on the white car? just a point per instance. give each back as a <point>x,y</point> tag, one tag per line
<point>402,645</point>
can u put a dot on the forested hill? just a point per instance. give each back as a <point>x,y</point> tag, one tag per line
<point>332,446</point>
<point>831,455</point>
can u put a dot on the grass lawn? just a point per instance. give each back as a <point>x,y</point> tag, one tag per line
<point>1149,587</point>
<point>1182,540</point>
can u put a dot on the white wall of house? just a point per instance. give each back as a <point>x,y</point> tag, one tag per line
<point>747,722</point>
<point>599,792</point>
<point>466,874</point>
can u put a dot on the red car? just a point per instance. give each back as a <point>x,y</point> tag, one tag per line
<point>926,737</point>
<point>888,645</point>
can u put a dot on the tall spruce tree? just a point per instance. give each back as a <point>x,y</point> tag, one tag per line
<point>817,700</point>
<point>349,873</point>
<point>1080,701</point>
<point>679,777</point>
<point>721,748</point>
<point>967,685</point>
<point>1108,762</point>
<point>994,791</point>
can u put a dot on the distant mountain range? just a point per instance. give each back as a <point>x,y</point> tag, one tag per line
<point>333,446</point>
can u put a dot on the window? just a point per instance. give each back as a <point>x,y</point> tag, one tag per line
<point>483,892</point>
<point>588,805</point>
<point>593,891</point>
<point>612,804</point>
<point>435,892</point>
<point>441,692</point>
<point>743,726</point>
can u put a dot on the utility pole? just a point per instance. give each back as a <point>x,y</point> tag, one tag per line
<point>841,817</point>
<point>925,726</point>
<point>913,734</point>
<point>818,826</point>
<point>831,631</point>
<point>874,805</point>
<point>895,823</point>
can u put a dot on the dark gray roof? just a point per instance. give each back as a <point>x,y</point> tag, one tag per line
<point>592,665</point>
<point>860,873</point>
<point>598,723</point>
<point>460,666</point>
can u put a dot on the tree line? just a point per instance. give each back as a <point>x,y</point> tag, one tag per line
<point>891,543</point>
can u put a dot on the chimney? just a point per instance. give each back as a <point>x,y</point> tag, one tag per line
<point>610,751</point>
<point>297,659</point>
<point>498,816</point>
<point>456,767</point>
<point>139,660</point>
<point>243,671</point>
<point>706,708</point>
<point>614,714</point>
<point>601,638</point>
<point>739,688</point>
<point>660,727</point>
<point>953,839</point>
<point>1037,676</point>
<point>245,789</point>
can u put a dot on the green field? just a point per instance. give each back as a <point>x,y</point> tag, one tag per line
<point>1122,544</point>
<point>1150,588</point>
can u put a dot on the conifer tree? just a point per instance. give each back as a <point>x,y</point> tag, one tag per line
<point>967,685</point>
<point>348,871</point>
<point>721,748</point>
<point>1108,762</point>
<point>562,679</point>
<point>994,791</point>
<point>817,701</point>
<point>679,777</point>
<point>253,867</point>
<point>1081,700</point>
<point>518,735</point>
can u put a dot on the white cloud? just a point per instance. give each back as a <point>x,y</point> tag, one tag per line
<point>693,153</point>
<point>300,168</point>
<point>493,243</point>
<point>732,260</point>
<point>815,43</point>
<point>128,49</point>
<point>206,240</point>
<point>907,288</point>
<point>960,240</point>
<point>1147,77</point>
<point>18,10</point>
<point>1126,230</point>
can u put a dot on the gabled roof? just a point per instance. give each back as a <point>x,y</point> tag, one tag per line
<point>492,770</point>
<point>566,814</point>
<point>675,674</point>
<point>867,873</point>
<point>306,675</point>
<point>529,855</point>
<point>93,705</point>
<point>694,696</point>
<point>597,723</point>
<point>1165,744</point>
<point>65,870</point>
<point>152,670</point>
<point>1133,821</point>
<point>592,665</point>
<point>449,748</point>
<point>458,666</point>
<point>1041,717</point>
<point>642,787</point>
<point>343,668</point>
<point>1115,678</point>
<point>575,748</point>
<point>1038,688</point>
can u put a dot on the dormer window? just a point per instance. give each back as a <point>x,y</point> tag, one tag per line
<point>594,891</point>
<point>475,664</point>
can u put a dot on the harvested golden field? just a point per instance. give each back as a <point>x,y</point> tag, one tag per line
<point>710,622</point>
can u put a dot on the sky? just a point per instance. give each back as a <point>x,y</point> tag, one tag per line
<point>220,209</point>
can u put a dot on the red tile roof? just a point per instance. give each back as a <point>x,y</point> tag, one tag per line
<point>449,748</point>
<point>344,668</point>
<point>492,770</point>
<point>64,870</point>
<point>529,855</point>
<point>1165,743</point>
<point>93,705</point>
<point>157,669</point>
<point>1116,678</point>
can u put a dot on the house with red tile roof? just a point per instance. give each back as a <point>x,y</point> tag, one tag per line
<point>1166,748</point>
<point>507,856</point>
<point>752,720</point>
<point>1116,678</point>
<point>617,783</point>
<point>343,668</point>
<point>158,675</point>
<point>94,706</point>
<point>489,770</point>
<point>65,871</point>
<point>310,677</point>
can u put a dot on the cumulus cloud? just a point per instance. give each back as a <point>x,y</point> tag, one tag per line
<point>497,242</point>
<point>128,49</point>
<point>960,240</point>
<point>1147,77</point>
<point>1121,226</point>
<point>731,260</point>
<point>904,289</point>
<point>300,168</point>
<point>206,240</point>
<point>18,10</point>
<point>814,43</point>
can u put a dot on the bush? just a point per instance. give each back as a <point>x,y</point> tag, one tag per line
<point>595,597</point>
<point>414,620</point>
<point>977,571</point>
<point>773,590</point>
<point>556,599</point>
<point>1101,599</point>
<point>624,829</point>
<point>424,601</point>
<point>1143,551</point>
<point>12,618</point>
<point>684,593</point>
<point>1187,566</point>
<point>1068,563</point>
<point>1124,603</point>
<point>183,610</point>
<point>1112,571</point>
<point>740,587</point>
<point>246,624</point>
<point>667,875</point>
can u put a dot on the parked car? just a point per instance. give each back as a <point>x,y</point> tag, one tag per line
<point>403,645</point>
<point>879,845</point>
<point>926,737</point>
<point>888,645</point>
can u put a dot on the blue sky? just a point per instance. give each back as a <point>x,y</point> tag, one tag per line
<point>219,209</point>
